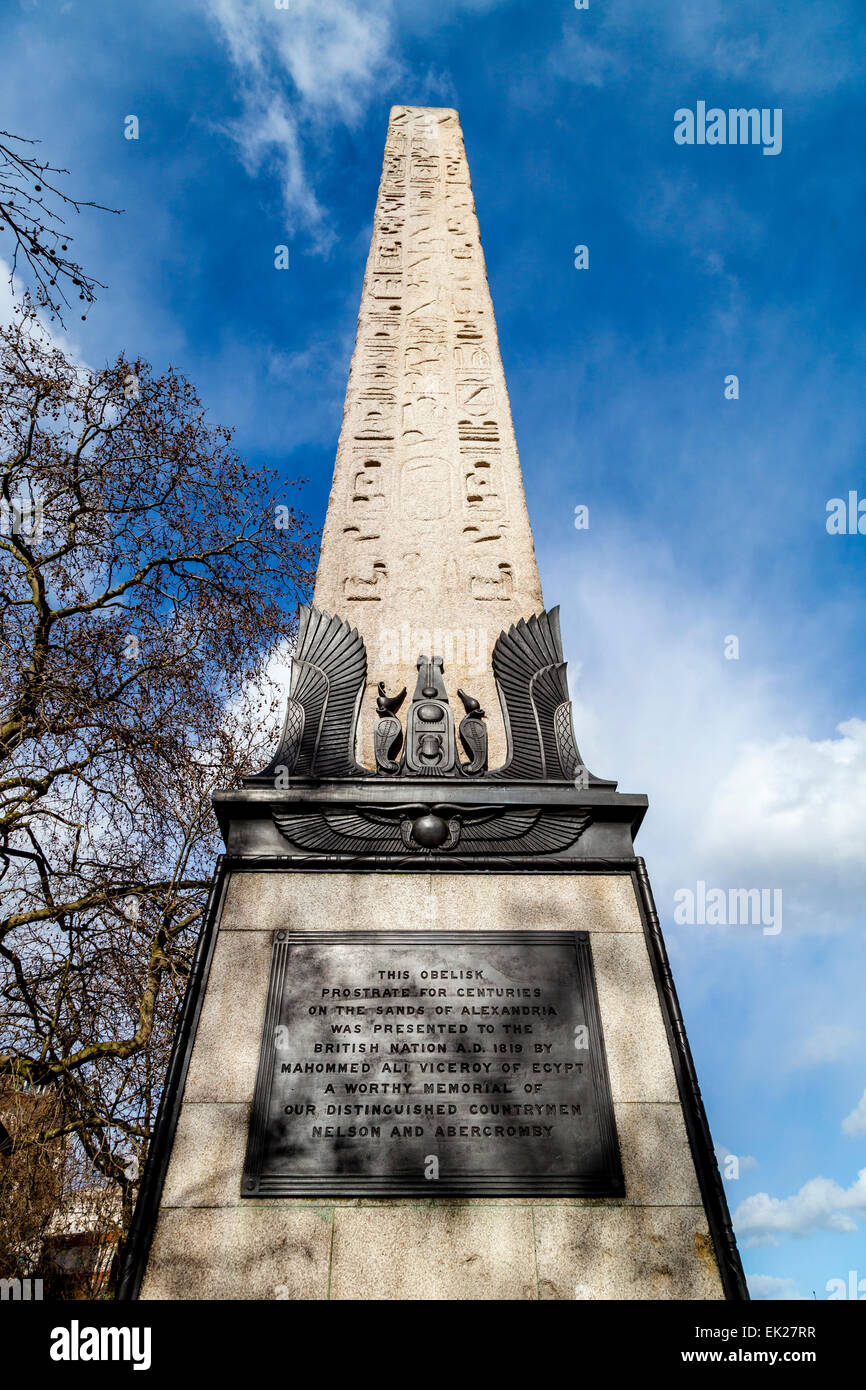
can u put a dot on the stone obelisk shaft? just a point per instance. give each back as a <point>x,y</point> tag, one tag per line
<point>427,545</point>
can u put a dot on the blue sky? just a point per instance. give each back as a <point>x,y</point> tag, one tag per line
<point>260,127</point>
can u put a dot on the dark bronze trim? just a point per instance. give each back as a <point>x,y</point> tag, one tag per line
<point>418,864</point>
<point>694,1114</point>
<point>144,1217</point>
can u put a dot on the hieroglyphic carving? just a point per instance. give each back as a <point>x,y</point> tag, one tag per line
<point>368,488</point>
<point>424,418</point>
<point>369,586</point>
<point>470,359</point>
<point>427,507</point>
<point>425,164</point>
<point>483,499</point>
<point>478,431</point>
<point>376,423</point>
<point>492,582</point>
<point>426,488</point>
<point>386,286</point>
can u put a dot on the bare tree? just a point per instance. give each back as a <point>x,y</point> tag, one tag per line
<point>33,208</point>
<point>31,1187</point>
<point>146,574</point>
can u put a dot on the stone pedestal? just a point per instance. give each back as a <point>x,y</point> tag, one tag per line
<point>668,1237</point>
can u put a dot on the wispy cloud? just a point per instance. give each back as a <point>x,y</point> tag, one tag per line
<point>581,60</point>
<point>798,806</point>
<point>300,72</point>
<point>769,1286</point>
<point>855,1124</point>
<point>826,1043</point>
<point>743,798</point>
<point>807,50</point>
<point>713,227</point>
<point>820,1205</point>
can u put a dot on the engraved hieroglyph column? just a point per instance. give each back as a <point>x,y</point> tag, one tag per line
<point>427,544</point>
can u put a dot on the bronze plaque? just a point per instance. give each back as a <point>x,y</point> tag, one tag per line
<point>425,1062</point>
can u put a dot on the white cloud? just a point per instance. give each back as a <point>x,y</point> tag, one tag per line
<point>330,53</point>
<point>301,71</point>
<point>738,797</point>
<point>43,331</point>
<point>855,1124</point>
<point>768,1286</point>
<point>311,68</point>
<point>795,807</point>
<point>269,129</point>
<point>7,298</point>
<point>820,1205</point>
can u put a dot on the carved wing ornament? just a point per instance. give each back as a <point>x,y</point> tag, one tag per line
<point>329,676</point>
<point>329,672</point>
<point>431,828</point>
<point>529,670</point>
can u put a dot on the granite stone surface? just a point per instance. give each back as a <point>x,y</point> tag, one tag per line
<point>651,1244</point>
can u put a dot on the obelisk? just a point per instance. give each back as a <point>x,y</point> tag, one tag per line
<point>427,539</point>
<point>431,1046</point>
